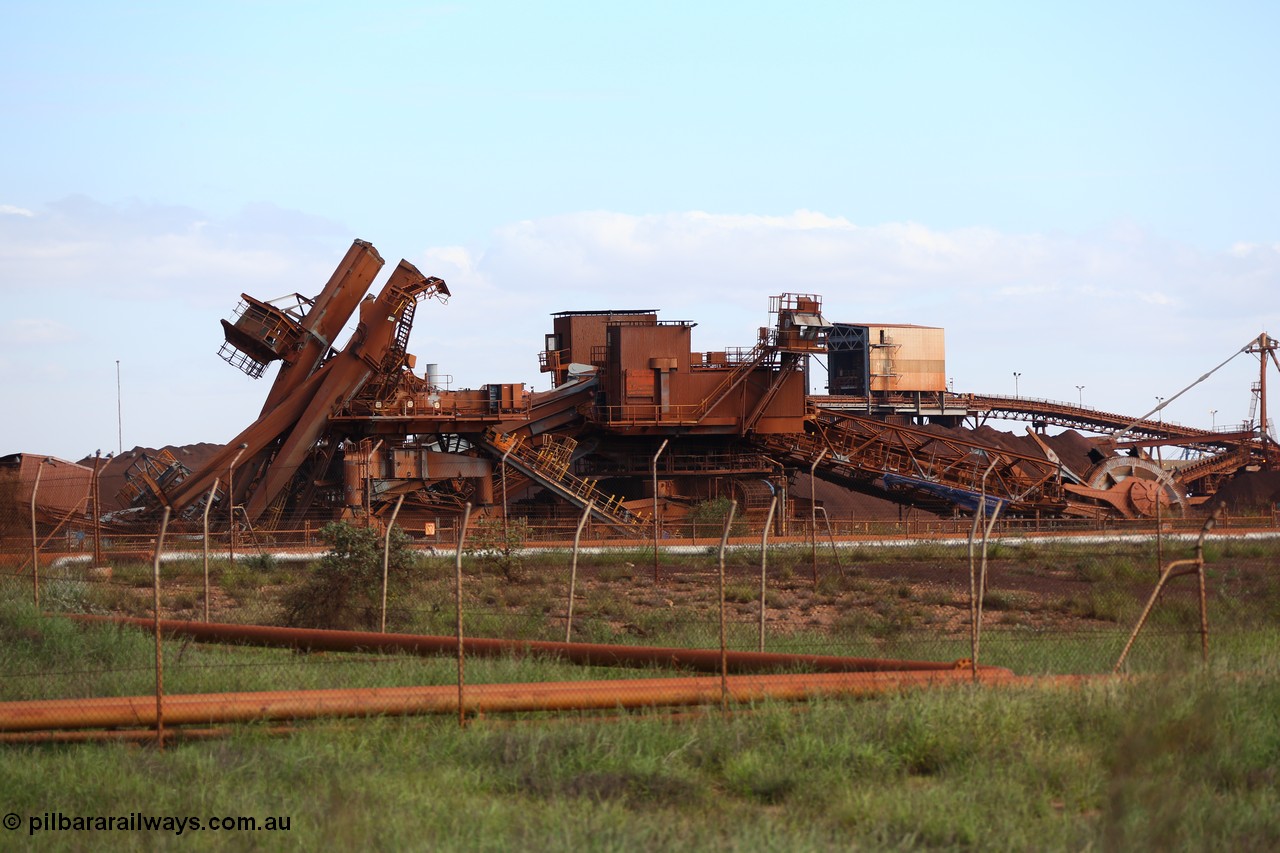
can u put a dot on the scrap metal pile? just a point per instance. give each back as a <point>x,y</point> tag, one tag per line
<point>636,421</point>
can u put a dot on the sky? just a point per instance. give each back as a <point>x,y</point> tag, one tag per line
<point>1085,194</point>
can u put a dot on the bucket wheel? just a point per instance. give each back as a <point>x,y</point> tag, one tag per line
<point>1135,487</point>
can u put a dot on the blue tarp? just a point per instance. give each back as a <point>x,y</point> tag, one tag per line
<point>963,498</point>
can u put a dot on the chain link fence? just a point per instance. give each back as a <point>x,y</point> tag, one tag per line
<point>1059,598</point>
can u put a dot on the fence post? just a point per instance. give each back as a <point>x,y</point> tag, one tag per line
<point>573,570</point>
<point>813,516</point>
<point>832,537</point>
<point>97,511</point>
<point>231,503</point>
<point>661,448</point>
<point>386,560</point>
<point>978,587</point>
<point>457,585</point>
<point>208,502</point>
<point>155,574</point>
<point>764,557</point>
<point>35,537</point>
<point>724,651</point>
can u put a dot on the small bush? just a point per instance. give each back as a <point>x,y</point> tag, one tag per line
<point>344,589</point>
<point>497,545</point>
<point>708,518</point>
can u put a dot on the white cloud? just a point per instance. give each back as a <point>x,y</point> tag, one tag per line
<point>36,331</point>
<point>1118,311</point>
<point>1124,314</point>
<point>11,210</point>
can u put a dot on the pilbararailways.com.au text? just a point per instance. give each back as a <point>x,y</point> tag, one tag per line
<point>141,822</point>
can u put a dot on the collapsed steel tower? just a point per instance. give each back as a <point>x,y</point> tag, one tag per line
<point>637,421</point>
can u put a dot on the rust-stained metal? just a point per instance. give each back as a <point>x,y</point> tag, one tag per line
<point>62,494</point>
<point>592,654</point>
<point>625,382</point>
<point>223,708</point>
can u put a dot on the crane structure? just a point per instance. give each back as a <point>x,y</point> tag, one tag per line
<point>638,422</point>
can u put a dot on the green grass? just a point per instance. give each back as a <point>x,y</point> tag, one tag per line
<point>1182,763</point>
<point>1176,760</point>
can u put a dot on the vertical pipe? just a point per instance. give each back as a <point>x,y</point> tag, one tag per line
<point>764,556</point>
<point>573,570</point>
<point>35,544</point>
<point>661,448</point>
<point>724,650</point>
<point>386,560</point>
<point>457,587</point>
<point>155,574</point>
<point>813,517</point>
<point>208,502</point>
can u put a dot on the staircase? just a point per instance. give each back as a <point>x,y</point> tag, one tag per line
<point>756,357</point>
<point>548,465</point>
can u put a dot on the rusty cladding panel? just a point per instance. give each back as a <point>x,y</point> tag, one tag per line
<point>637,345</point>
<point>646,363</point>
<point>581,333</point>
<point>784,414</point>
<point>64,486</point>
<point>907,358</point>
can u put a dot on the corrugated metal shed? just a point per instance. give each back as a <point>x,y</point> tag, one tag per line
<point>64,486</point>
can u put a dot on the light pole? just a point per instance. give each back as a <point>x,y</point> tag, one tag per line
<point>119,414</point>
<point>1015,383</point>
<point>1213,420</point>
<point>1160,409</point>
<point>1080,396</point>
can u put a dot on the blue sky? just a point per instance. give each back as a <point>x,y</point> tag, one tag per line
<point>1084,193</point>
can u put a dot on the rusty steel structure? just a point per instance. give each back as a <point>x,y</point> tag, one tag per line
<point>639,424</point>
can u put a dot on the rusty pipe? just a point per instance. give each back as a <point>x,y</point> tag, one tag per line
<point>593,654</point>
<point>222,708</point>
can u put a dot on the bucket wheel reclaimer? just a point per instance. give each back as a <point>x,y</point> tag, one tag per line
<point>1133,487</point>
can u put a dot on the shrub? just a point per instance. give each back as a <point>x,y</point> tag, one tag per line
<point>344,589</point>
<point>708,518</point>
<point>496,546</point>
